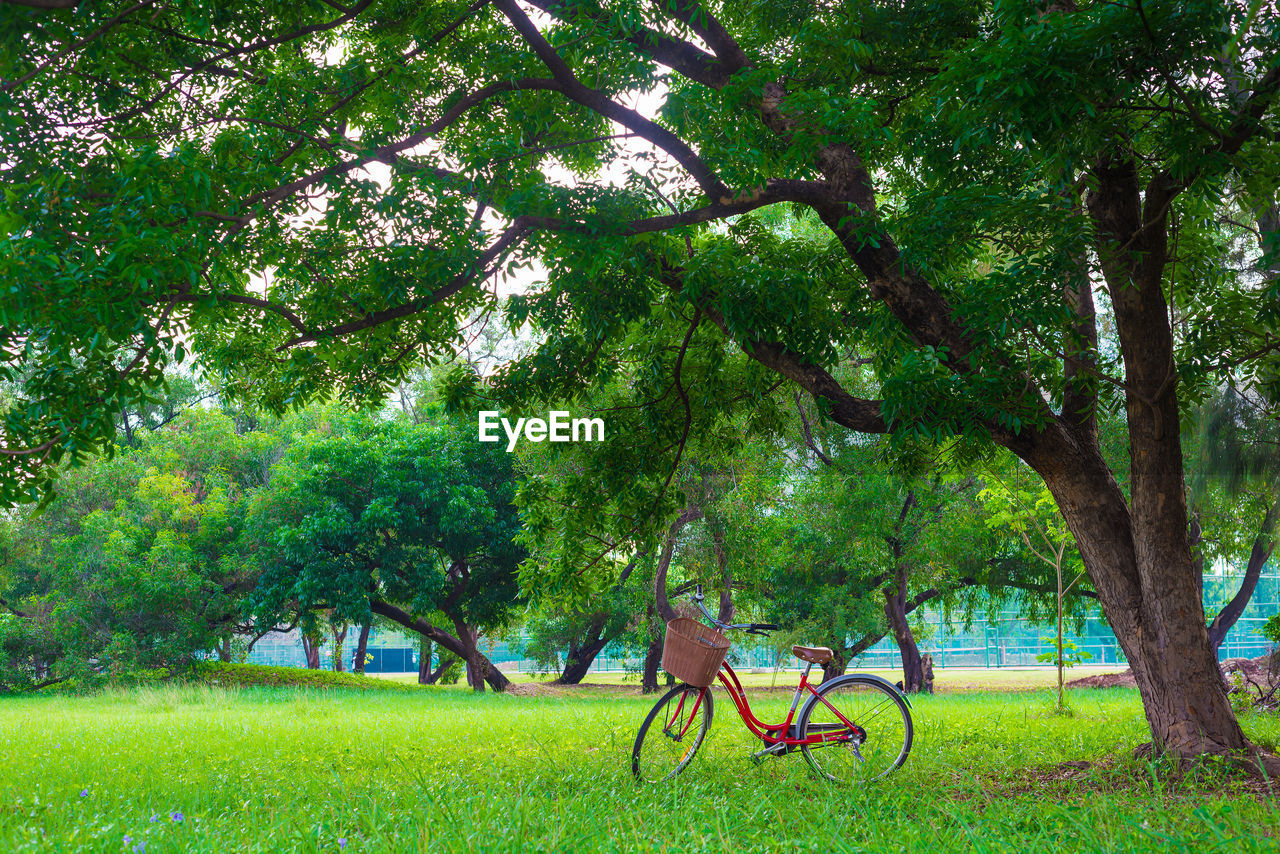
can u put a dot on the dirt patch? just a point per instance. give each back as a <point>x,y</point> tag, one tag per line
<point>1105,680</point>
<point>1255,668</point>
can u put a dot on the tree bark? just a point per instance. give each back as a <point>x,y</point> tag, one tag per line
<point>844,654</point>
<point>836,667</point>
<point>649,678</point>
<point>581,655</point>
<point>895,610</point>
<point>1263,546</point>
<point>424,660</point>
<point>662,603</point>
<point>475,661</point>
<point>1148,590</point>
<point>362,649</point>
<point>1137,553</point>
<point>488,672</point>
<point>579,662</point>
<point>311,650</point>
<point>446,661</point>
<point>895,603</point>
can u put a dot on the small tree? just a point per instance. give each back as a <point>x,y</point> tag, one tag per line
<point>1032,514</point>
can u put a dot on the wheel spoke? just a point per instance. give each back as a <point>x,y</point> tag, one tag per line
<point>672,733</point>
<point>876,710</point>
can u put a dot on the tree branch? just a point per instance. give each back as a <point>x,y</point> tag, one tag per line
<point>594,100</point>
<point>680,56</point>
<point>10,85</point>
<point>808,433</point>
<point>697,18</point>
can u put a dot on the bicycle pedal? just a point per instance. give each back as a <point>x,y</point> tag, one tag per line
<point>772,750</point>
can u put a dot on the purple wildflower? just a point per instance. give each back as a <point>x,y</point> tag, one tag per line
<point>84,793</point>
<point>176,816</point>
<point>155,818</point>
<point>342,843</point>
<point>127,839</point>
<point>141,847</point>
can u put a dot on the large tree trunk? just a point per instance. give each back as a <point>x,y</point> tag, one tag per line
<point>1136,552</point>
<point>311,651</point>
<point>1138,556</point>
<point>475,661</point>
<point>1263,545</point>
<point>362,649</point>
<point>578,662</point>
<point>582,655</point>
<point>895,609</point>
<point>583,651</point>
<point>1142,569</point>
<point>895,603</point>
<point>649,678</point>
<point>424,660</point>
<point>488,672</point>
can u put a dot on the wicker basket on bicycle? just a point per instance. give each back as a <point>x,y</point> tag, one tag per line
<point>693,652</point>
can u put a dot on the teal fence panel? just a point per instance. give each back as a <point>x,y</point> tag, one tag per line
<point>1005,640</point>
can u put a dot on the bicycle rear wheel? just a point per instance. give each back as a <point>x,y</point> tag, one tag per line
<point>672,733</point>
<point>867,724</point>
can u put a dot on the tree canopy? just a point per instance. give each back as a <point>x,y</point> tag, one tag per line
<point>400,520</point>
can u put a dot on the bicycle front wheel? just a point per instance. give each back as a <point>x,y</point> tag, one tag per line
<point>672,733</point>
<point>866,726</point>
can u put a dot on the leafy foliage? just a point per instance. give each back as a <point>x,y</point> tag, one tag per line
<point>138,564</point>
<point>415,514</point>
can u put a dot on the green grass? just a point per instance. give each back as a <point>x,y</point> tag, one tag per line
<point>287,769</point>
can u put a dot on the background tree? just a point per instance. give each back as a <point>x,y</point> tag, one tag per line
<point>1235,489</point>
<point>403,521</point>
<point>136,565</point>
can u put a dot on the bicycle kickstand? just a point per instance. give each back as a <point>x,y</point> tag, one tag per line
<point>772,750</point>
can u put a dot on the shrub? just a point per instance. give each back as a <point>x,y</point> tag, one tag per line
<point>223,673</point>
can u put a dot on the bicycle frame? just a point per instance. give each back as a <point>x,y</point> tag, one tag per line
<point>773,734</point>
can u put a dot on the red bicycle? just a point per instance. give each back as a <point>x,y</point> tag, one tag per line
<point>853,728</point>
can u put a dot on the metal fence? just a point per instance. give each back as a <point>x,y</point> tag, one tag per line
<point>1005,640</point>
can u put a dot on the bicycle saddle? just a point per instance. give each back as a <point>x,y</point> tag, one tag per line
<point>815,654</point>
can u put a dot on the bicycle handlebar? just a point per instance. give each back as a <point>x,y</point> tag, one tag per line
<point>749,628</point>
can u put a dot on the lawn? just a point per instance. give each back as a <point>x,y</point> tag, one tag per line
<point>198,768</point>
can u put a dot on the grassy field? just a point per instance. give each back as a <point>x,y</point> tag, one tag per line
<point>211,769</point>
